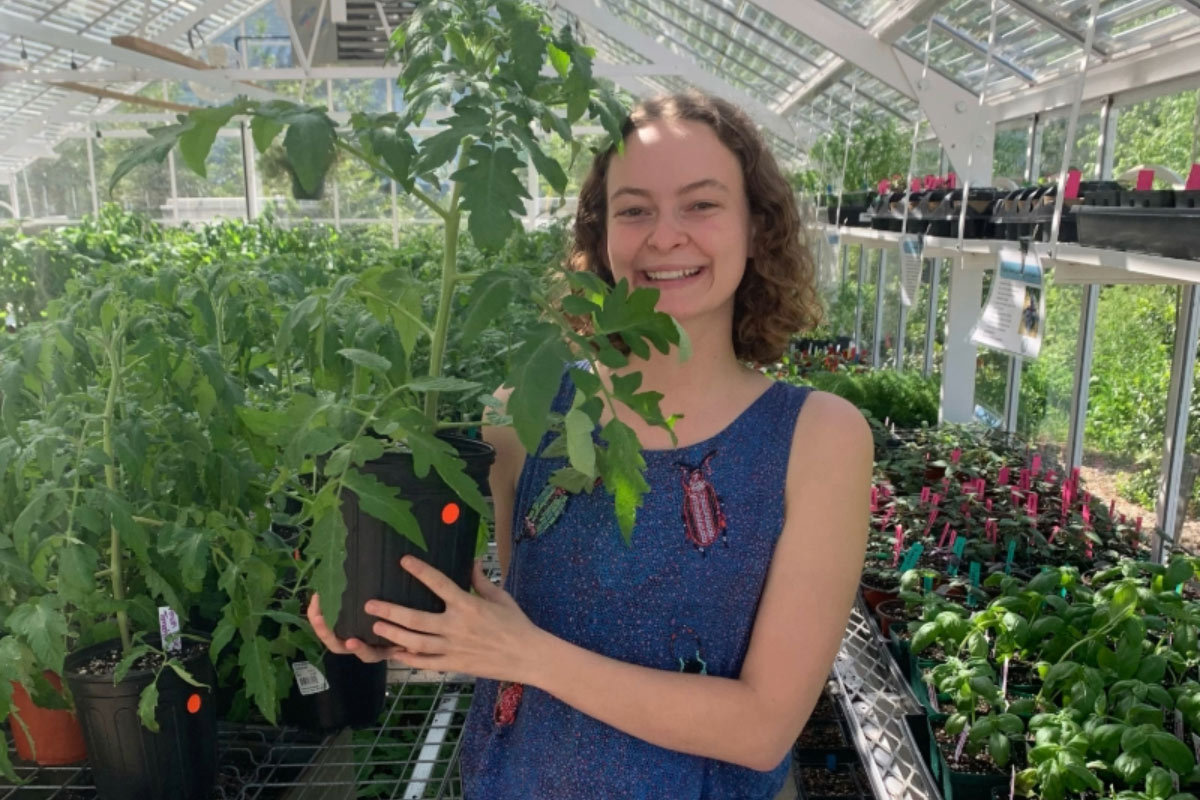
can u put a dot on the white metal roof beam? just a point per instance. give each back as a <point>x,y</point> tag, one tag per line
<point>1072,36</point>
<point>602,20</point>
<point>260,74</point>
<point>979,47</point>
<point>868,49</point>
<point>1151,71</point>
<point>163,69</point>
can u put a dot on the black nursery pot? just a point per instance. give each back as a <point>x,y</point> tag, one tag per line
<point>374,549</point>
<point>355,698</point>
<point>127,760</point>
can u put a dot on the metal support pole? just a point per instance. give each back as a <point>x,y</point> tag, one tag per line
<point>533,206</point>
<point>877,331</point>
<point>858,309</point>
<point>935,286</point>
<point>174,185</point>
<point>958,360</point>
<point>899,360</point>
<point>1108,137</point>
<point>1084,350</point>
<point>389,93</point>
<point>337,199</point>
<point>1172,504</point>
<point>14,195</point>
<point>91,175</point>
<point>28,194</point>
<point>1033,164</point>
<point>1012,394</point>
<point>845,248</point>
<point>248,173</point>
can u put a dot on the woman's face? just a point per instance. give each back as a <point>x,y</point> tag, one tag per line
<point>678,219</point>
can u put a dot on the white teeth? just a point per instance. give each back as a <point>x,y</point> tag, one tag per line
<point>672,274</point>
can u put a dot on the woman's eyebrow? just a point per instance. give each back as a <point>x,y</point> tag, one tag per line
<point>704,183</point>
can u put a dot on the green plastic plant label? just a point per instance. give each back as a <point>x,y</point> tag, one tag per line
<point>168,629</point>
<point>309,679</point>
<point>912,556</point>
<point>927,583</point>
<point>960,545</point>
<point>1012,550</point>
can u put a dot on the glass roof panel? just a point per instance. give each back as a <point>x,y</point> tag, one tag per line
<point>864,12</point>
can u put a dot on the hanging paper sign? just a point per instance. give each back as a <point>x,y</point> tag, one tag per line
<point>910,268</point>
<point>1013,319</point>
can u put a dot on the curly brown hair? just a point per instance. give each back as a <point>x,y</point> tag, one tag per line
<point>778,295</point>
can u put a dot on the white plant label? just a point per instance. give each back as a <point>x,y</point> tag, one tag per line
<point>1014,318</point>
<point>910,268</point>
<point>1012,783</point>
<point>168,629</point>
<point>933,704</point>
<point>1004,681</point>
<point>1196,745</point>
<point>962,741</point>
<point>309,679</point>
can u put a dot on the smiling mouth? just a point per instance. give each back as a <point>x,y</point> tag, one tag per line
<point>670,274</point>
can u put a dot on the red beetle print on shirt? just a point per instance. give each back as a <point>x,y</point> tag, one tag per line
<point>703,519</point>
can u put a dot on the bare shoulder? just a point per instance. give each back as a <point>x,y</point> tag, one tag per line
<point>831,427</point>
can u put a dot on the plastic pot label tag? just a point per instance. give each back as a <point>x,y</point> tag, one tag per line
<point>1196,745</point>
<point>168,629</point>
<point>1012,783</point>
<point>1004,680</point>
<point>962,741</point>
<point>933,703</point>
<point>309,679</point>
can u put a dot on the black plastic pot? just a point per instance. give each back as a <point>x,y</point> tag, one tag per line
<point>373,549</point>
<point>300,193</point>
<point>355,698</point>
<point>1148,198</point>
<point>129,761</point>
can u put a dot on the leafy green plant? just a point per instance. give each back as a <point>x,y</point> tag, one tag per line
<point>502,73</point>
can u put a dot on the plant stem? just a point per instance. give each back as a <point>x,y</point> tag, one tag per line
<point>449,275</point>
<point>378,166</point>
<point>110,477</point>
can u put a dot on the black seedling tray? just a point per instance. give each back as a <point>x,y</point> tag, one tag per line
<point>1170,232</point>
<point>1153,198</point>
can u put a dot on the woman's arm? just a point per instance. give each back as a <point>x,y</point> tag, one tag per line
<point>754,719</point>
<point>510,458</point>
<point>751,720</point>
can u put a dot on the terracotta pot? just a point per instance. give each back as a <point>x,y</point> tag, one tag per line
<point>890,612</point>
<point>874,595</point>
<point>56,735</point>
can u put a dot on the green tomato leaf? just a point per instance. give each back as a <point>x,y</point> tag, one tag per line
<point>197,140</point>
<point>264,130</point>
<point>536,374</point>
<point>40,623</point>
<point>491,294</point>
<point>381,502</point>
<point>327,547</point>
<point>623,471</point>
<point>366,359</point>
<point>581,450</point>
<point>148,706</point>
<point>77,564</point>
<point>309,143</point>
<point>254,658</point>
<point>492,194</point>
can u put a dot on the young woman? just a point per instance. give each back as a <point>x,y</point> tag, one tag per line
<point>683,666</point>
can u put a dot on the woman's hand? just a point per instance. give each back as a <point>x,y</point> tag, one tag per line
<point>485,635</point>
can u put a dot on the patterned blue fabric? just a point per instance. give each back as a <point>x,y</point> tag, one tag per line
<point>683,597</point>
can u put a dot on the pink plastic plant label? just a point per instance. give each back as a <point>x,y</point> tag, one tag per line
<point>945,533</point>
<point>1037,464</point>
<point>951,181</point>
<point>1032,505</point>
<point>1072,188</point>
<point>955,455</point>
<point>1145,180</point>
<point>1193,180</point>
<point>883,186</point>
<point>1003,478</point>
<point>874,498</point>
<point>926,493</point>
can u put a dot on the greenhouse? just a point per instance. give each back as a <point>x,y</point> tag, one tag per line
<point>295,291</point>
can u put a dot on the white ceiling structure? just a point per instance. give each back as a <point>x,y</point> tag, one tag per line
<point>802,68</point>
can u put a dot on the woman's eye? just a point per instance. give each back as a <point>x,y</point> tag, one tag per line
<point>703,205</point>
<point>630,212</point>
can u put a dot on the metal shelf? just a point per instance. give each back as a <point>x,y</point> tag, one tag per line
<point>1072,263</point>
<point>876,698</point>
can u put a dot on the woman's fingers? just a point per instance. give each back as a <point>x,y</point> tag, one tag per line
<point>405,617</point>
<point>433,578</point>
<point>322,629</point>
<point>487,590</point>
<point>409,641</point>
<point>357,647</point>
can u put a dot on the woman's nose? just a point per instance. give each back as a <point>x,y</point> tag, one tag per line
<point>667,233</point>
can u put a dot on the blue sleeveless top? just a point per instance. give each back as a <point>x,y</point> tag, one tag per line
<point>683,597</point>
